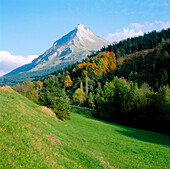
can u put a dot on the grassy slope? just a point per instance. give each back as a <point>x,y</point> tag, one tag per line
<point>32,137</point>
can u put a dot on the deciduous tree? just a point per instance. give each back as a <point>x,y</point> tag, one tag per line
<point>79,96</point>
<point>68,82</point>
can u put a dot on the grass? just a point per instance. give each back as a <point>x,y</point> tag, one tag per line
<point>32,137</point>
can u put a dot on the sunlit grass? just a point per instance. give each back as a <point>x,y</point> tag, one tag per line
<point>32,137</point>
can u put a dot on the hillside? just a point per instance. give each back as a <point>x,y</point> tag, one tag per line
<point>32,137</point>
<point>147,66</point>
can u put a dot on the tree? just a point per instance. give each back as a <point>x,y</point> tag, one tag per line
<point>112,67</point>
<point>27,89</point>
<point>162,104</point>
<point>115,99</point>
<point>38,86</point>
<point>79,96</point>
<point>81,86</point>
<point>142,100</point>
<point>85,79</point>
<point>51,95</point>
<point>106,100</point>
<point>122,88</point>
<point>68,82</point>
<point>91,100</point>
<point>118,54</point>
<point>102,66</point>
<point>120,61</point>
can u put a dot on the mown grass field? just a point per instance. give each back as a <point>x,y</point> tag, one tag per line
<point>32,137</point>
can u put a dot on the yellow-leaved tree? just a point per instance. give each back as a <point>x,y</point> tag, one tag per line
<point>68,82</point>
<point>79,96</point>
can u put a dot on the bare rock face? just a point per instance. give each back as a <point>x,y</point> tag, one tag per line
<point>72,47</point>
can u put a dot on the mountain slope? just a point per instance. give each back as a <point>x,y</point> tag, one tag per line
<point>74,46</point>
<point>32,137</point>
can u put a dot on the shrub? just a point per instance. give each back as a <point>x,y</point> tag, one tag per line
<point>51,95</point>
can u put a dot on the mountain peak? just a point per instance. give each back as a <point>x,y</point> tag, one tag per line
<point>83,32</point>
<point>72,47</point>
<point>80,26</point>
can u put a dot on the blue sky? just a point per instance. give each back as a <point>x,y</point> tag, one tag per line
<point>29,27</point>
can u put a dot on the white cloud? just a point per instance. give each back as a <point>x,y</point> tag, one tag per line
<point>165,25</point>
<point>150,26</point>
<point>126,33</point>
<point>136,29</point>
<point>136,25</point>
<point>9,61</point>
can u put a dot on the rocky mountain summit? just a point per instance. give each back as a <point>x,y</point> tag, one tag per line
<point>72,47</point>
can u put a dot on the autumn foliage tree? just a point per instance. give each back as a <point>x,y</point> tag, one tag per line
<point>68,82</point>
<point>101,64</point>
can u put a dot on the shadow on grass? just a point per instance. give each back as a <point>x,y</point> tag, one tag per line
<point>147,136</point>
<point>138,134</point>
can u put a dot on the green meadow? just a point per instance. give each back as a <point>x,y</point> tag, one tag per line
<point>32,137</point>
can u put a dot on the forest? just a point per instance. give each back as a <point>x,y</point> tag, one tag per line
<point>127,83</point>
